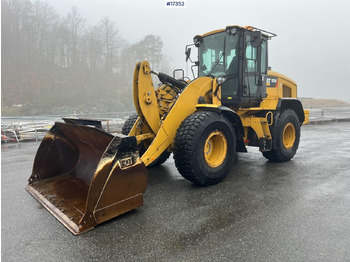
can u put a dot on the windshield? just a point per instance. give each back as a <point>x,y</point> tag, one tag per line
<point>217,55</point>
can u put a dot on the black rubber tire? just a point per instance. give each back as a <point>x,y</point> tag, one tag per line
<point>129,123</point>
<point>280,153</point>
<point>190,140</point>
<point>161,159</point>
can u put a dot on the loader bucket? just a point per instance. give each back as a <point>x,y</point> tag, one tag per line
<point>84,176</point>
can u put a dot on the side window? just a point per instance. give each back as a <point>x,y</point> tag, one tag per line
<point>231,53</point>
<point>251,56</point>
<point>263,68</point>
<point>251,69</point>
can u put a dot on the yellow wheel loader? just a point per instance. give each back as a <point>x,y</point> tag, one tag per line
<point>85,176</point>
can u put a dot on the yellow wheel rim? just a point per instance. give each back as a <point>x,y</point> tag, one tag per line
<point>289,136</point>
<point>215,149</point>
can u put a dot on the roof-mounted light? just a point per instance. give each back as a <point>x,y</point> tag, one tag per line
<point>231,30</point>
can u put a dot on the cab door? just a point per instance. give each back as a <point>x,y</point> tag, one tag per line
<point>254,70</point>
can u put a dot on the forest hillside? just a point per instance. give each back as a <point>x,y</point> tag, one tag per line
<point>52,64</point>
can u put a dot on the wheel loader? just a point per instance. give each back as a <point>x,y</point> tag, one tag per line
<point>84,176</point>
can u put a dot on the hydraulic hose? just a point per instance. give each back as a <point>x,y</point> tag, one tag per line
<point>164,78</point>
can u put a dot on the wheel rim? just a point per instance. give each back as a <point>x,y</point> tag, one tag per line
<point>289,136</point>
<point>215,149</point>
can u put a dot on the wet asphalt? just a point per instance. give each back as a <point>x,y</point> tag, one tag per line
<point>293,211</point>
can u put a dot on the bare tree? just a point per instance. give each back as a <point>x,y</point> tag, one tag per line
<point>75,25</point>
<point>49,60</point>
<point>44,22</point>
<point>110,38</point>
<point>150,49</point>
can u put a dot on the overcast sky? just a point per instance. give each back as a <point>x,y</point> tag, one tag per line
<point>311,47</point>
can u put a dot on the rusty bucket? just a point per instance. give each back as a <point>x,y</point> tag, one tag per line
<point>84,176</point>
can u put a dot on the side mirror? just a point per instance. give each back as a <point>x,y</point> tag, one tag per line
<point>256,38</point>
<point>188,53</point>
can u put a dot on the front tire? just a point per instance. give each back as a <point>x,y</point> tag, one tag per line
<point>286,138</point>
<point>205,147</point>
<point>128,125</point>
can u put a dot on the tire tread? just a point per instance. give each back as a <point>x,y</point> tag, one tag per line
<point>184,144</point>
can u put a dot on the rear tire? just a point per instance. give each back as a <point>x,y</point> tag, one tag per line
<point>129,123</point>
<point>205,147</point>
<point>286,137</point>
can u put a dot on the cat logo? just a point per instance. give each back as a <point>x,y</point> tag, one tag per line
<point>125,162</point>
<point>271,81</point>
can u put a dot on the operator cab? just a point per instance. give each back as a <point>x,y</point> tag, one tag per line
<point>237,56</point>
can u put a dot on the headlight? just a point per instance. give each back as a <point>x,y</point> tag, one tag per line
<point>220,80</point>
<point>231,31</point>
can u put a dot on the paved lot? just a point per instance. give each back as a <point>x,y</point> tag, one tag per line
<point>294,211</point>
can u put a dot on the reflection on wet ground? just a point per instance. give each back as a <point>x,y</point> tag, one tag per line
<point>294,211</point>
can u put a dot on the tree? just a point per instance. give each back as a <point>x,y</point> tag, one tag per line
<point>110,38</point>
<point>43,25</point>
<point>92,48</point>
<point>75,25</point>
<point>49,60</point>
<point>150,49</point>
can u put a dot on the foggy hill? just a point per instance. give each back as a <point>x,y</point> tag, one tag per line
<point>55,64</point>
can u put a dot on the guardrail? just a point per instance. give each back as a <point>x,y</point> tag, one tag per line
<point>34,128</point>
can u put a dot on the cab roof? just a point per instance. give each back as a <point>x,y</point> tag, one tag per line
<point>251,28</point>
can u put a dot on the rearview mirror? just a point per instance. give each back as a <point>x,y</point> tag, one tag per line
<point>188,53</point>
<point>256,38</point>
